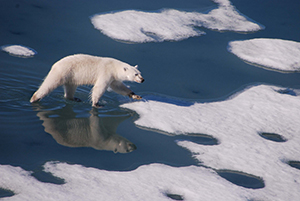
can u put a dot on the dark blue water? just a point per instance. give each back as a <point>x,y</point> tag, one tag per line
<point>197,69</point>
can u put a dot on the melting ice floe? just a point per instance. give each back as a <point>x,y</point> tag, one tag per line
<point>276,54</point>
<point>170,24</point>
<point>237,123</point>
<point>18,50</point>
<point>148,182</point>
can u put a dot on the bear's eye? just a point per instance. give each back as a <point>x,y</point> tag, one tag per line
<point>136,74</point>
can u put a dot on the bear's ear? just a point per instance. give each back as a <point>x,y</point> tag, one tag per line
<point>136,66</point>
<point>125,69</point>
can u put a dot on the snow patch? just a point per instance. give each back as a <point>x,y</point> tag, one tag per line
<point>170,24</point>
<point>274,54</point>
<point>19,50</point>
<point>236,123</point>
<point>148,182</point>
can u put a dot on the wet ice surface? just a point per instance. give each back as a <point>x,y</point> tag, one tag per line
<point>274,54</point>
<point>170,24</point>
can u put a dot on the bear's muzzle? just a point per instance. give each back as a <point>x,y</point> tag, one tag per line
<point>139,79</point>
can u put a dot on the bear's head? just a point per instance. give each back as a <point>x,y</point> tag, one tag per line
<point>132,74</point>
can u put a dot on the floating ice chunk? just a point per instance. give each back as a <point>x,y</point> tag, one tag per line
<point>259,104</point>
<point>19,50</point>
<point>275,54</point>
<point>236,123</point>
<point>170,24</point>
<point>138,26</point>
<point>148,182</point>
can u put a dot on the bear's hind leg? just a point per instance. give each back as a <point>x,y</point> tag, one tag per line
<point>70,91</point>
<point>50,83</point>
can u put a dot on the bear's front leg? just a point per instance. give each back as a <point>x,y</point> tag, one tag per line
<point>120,88</point>
<point>97,91</point>
<point>134,96</point>
<point>70,91</point>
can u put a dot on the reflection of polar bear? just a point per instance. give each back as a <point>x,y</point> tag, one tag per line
<point>82,69</point>
<point>96,132</point>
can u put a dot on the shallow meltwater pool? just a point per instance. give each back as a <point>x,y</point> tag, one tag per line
<point>218,119</point>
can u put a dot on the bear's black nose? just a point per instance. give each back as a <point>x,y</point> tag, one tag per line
<point>142,80</point>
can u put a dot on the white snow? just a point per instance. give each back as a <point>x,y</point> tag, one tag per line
<point>148,182</point>
<point>275,54</point>
<point>18,50</point>
<point>170,24</point>
<point>235,122</point>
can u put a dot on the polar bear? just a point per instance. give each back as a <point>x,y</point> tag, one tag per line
<point>82,69</point>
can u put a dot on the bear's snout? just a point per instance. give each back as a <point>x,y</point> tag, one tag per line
<point>139,79</point>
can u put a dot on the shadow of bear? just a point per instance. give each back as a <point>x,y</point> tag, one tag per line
<point>94,131</point>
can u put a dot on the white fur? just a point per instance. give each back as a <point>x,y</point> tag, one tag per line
<point>81,69</point>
